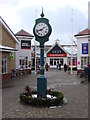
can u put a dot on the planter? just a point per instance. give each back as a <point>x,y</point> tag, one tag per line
<point>54,98</point>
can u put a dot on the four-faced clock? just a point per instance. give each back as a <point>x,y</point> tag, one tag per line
<point>41,29</point>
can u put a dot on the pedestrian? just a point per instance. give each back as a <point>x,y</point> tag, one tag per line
<point>59,66</point>
<point>68,68</point>
<point>46,66</point>
<point>86,72</point>
<point>65,67</point>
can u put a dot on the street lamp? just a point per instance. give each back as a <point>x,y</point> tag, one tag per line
<point>35,58</point>
<point>72,42</point>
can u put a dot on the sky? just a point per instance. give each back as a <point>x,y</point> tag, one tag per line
<point>21,14</point>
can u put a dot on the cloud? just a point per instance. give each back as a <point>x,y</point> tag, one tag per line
<point>20,14</point>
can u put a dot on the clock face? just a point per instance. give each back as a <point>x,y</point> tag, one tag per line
<point>41,29</point>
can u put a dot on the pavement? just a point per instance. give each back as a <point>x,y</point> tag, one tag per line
<point>75,93</point>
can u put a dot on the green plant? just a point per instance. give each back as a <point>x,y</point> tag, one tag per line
<point>26,99</point>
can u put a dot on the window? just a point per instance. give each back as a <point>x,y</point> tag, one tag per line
<point>61,61</point>
<point>84,61</point>
<point>4,64</point>
<point>56,61</point>
<point>51,62</point>
<point>89,60</point>
<point>23,62</point>
<point>26,62</point>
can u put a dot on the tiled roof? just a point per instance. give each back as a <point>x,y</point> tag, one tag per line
<point>84,32</point>
<point>23,33</point>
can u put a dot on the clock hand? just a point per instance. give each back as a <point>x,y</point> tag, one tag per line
<point>41,29</point>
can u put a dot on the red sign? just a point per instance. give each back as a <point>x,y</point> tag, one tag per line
<point>56,55</point>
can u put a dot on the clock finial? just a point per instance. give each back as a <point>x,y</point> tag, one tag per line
<point>42,14</point>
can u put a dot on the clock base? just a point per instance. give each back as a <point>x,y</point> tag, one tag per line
<point>41,87</point>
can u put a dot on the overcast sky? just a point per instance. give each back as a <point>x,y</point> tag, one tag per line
<point>21,14</point>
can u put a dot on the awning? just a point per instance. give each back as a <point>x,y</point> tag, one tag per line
<point>7,49</point>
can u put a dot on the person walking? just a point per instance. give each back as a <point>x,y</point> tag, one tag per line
<point>86,72</point>
<point>65,67</point>
<point>46,66</point>
<point>59,66</point>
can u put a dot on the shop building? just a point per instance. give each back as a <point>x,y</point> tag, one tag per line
<point>71,49</point>
<point>56,54</point>
<point>83,57</point>
<point>36,54</point>
<point>8,50</point>
<point>23,56</point>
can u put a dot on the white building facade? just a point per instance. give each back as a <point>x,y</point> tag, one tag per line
<point>23,56</point>
<point>83,49</point>
<point>56,54</point>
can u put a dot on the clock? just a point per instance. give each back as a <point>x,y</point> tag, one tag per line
<point>41,29</point>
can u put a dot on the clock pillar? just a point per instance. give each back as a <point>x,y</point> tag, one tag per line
<point>41,58</point>
<point>42,80</point>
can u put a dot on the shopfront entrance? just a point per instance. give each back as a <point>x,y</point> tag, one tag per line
<point>54,61</point>
<point>56,54</point>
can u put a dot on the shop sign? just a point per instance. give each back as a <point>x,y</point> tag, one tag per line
<point>56,50</point>
<point>25,44</point>
<point>84,48</point>
<point>11,55</point>
<point>56,55</point>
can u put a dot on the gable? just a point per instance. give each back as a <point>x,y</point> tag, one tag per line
<point>6,27</point>
<point>7,40</point>
<point>23,33</point>
<point>56,51</point>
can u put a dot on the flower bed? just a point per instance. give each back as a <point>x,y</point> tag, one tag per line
<point>55,99</point>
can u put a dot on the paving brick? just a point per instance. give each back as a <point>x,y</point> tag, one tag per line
<point>76,94</point>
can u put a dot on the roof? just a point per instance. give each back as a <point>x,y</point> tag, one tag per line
<point>23,33</point>
<point>69,50</point>
<point>7,49</point>
<point>56,43</point>
<point>8,29</point>
<point>84,32</point>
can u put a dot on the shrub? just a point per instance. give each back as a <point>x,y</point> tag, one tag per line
<point>26,99</point>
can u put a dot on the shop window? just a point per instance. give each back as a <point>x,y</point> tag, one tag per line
<point>84,61</point>
<point>89,60</point>
<point>74,61</point>
<point>56,61</point>
<point>4,64</point>
<point>23,62</point>
<point>61,61</point>
<point>26,62</point>
<point>51,62</point>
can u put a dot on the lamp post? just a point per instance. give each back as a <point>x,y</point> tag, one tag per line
<point>72,42</point>
<point>42,31</point>
<point>35,58</point>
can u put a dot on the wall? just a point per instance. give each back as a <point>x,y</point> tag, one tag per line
<point>79,49</point>
<point>23,53</point>
<point>0,52</point>
<point>7,40</point>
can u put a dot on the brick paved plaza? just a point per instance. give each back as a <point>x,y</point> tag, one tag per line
<point>76,94</point>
